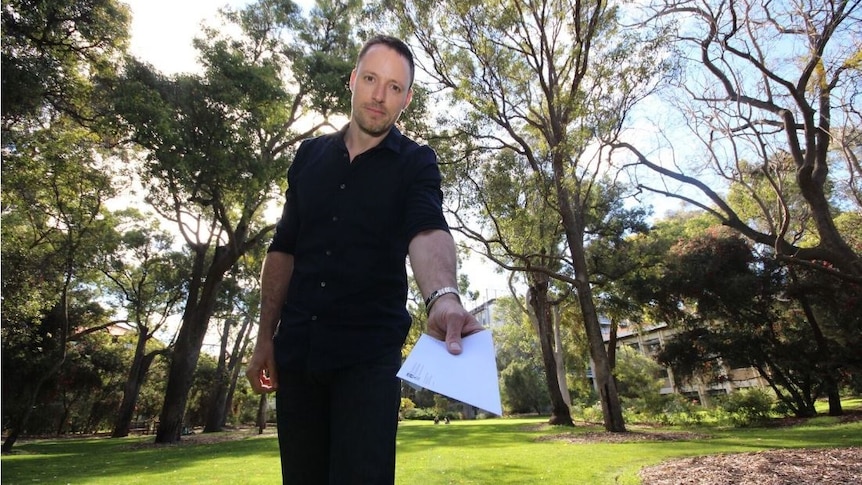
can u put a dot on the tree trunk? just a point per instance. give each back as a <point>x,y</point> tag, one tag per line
<point>612,410</point>
<point>261,414</point>
<point>132,388</point>
<point>612,344</point>
<point>560,358</point>
<point>218,399</point>
<point>537,296</point>
<point>200,305</point>
<point>829,369</point>
<point>184,360</point>
<point>236,363</point>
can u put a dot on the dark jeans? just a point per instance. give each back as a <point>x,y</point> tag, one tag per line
<point>339,427</point>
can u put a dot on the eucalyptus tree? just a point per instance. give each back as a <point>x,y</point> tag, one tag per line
<point>55,181</point>
<point>146,280</point>
<point>544,80</point>
<point>217,145</point>
<point>54,227</point>
<point>526,234</point>
<point>239,312</point>
<point>767,86</point>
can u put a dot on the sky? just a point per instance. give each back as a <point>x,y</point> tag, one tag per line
<point>161,35</point>
<point>162,30</point>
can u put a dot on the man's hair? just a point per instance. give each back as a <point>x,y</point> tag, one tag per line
<point>393,43</point>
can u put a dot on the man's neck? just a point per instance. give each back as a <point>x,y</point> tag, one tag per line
<point>359,142</point>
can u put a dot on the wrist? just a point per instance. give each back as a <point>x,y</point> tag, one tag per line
<point>437,294</point>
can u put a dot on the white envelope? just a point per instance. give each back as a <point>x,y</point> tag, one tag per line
<point>470,377</point>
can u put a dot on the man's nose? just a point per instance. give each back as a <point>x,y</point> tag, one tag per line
<point>379,93</point>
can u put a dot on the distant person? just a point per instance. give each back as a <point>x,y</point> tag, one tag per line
<point>334,283</point>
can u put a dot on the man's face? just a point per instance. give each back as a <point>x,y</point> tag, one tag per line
<point>381,90</point>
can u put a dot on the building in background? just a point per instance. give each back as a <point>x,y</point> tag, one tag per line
<point>649,340</point>
<point>487,314</point>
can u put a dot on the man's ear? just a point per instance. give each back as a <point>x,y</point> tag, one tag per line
<point>352,81</point>
<point>409,98</point>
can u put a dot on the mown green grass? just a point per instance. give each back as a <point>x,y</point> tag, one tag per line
<point>497,451</point>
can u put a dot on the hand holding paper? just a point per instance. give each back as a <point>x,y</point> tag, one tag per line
<point>470,377</point>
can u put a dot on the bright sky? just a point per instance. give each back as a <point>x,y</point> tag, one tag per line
<point>162,30</point>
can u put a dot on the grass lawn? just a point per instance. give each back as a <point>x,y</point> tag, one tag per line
<point>497,451</point>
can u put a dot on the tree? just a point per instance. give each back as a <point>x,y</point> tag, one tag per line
<point>89,385</point>
<point>522,371</point>
<point>243,306</point>
<point>769,84</point>
<point>54,227</point>
<point>54,183</point>
<point>639,381</point>
<point>543,80</point>
<point>218,146</point>
<point>618,257</point>
<point>734,308</point>
<point>146,278</point>
<point>529,235</point>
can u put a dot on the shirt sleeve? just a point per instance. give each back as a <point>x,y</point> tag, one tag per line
<point>286,228</point>
<point>425,196</point>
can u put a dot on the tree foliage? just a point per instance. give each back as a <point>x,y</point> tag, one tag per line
<point>51,52</point>
<point>734,308</point>
<point>54,229</point>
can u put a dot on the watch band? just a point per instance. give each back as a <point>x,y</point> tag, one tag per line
<point>434,296</point>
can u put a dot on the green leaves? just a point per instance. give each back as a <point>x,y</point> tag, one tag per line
<point>52,50</point>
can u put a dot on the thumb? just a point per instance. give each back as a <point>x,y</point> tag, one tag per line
<point>453,339</point>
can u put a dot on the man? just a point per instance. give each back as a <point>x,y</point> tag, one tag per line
<point>334,284</point>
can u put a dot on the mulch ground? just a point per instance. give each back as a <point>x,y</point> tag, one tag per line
<point>830,466</point>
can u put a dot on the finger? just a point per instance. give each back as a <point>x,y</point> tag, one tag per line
<point>472,327</point>
<point>253,376</point>
<point>273,378</point>
<point>435,329</point>
<point>453,337</point>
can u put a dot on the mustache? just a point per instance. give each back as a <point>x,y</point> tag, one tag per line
<point>373,105</point>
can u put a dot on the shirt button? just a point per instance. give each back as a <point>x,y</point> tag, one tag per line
<point>328,252</point>
<point>314,318</point>
<point>342,186</point>
<point>322,284</point>
<point>334,218</point>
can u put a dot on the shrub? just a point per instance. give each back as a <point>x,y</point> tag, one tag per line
<point>420,414</point>
<point>680,410</point>
<point>748,407</point>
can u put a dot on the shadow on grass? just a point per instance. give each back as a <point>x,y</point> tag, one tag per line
<point>115,460</point>
<point>499,451</point>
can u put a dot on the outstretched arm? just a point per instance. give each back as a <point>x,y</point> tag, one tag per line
<point>432,257</point>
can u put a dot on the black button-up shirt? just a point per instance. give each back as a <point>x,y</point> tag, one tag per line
<point>348,226</point>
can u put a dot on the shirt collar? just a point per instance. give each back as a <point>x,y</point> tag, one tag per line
<point>392,140</point>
